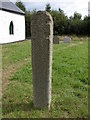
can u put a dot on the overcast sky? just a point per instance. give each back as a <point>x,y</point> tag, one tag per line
<point>69,6</point>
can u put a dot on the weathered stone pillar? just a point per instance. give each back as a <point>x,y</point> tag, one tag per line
<point>0,81</point>
<point>42,41</point>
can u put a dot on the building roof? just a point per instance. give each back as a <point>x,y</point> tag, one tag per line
<point>8,6</point>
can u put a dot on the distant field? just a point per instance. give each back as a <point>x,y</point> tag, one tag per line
<point>69,81</point>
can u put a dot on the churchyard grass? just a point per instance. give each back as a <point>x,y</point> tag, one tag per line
<point>69,81</point>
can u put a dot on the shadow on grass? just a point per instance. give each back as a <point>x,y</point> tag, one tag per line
<point>8,108</point>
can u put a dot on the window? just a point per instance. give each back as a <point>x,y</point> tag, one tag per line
<point>11,28</point>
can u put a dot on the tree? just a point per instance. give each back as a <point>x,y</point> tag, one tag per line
<point>77,15</point>
<point>60,21</point>
<point>86,24</point>
<point>60,10</point>
<point>76,24</point>
<point>28,23</point>
<point>62,24</point>
<point>21,5</point>
<point>48,7</point>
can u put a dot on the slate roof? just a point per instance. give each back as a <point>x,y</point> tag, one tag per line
<point>8,6</point>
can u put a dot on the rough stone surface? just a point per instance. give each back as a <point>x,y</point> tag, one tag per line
<point>56,40</point>
<point>42,42</point>
<point>0,80</point>
<point>67,40</point>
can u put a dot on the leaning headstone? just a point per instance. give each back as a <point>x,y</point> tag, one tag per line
<point>42,42</point>
<point>67,40</point>
<point>56,40</point>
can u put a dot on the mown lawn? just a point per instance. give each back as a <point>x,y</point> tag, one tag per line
<point>69,82</point>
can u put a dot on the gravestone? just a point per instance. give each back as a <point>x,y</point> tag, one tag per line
<point>56,40</point>
<point>67,40</point>
<point>42,42</point>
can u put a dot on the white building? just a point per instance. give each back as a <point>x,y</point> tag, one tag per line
<point>89,8</point>
<point>12,22</point>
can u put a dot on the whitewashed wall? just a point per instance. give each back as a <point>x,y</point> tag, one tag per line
<point>19,27</point>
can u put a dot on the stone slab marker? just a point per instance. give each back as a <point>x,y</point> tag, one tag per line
<point>67,40</point>
<point>42,42</point>
<point>56,40</point>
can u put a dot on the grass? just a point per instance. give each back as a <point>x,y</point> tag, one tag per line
<point>69,82</point>
<point>13,53</point>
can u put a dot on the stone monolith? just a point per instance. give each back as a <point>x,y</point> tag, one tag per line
<point>42,42</point>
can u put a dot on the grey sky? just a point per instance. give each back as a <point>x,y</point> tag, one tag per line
<point>69,6</point>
